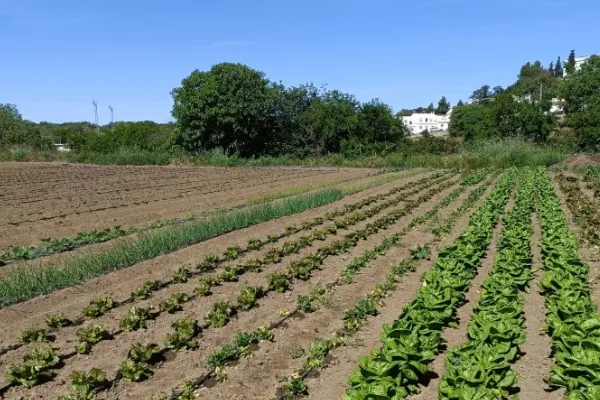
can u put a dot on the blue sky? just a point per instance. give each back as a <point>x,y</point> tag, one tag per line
<point>59,55</point>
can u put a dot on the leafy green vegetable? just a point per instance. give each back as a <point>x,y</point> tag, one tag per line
<point>185,330</point>
<point>98,307</point>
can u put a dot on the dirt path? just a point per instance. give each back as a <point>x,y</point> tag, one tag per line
<point>537,360</point>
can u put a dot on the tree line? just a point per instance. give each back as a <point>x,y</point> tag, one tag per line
<point>524,108</point>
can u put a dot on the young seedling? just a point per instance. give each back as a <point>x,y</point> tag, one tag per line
<point>173,303</point>
<point>135,319</point>
<point>249,296</point>
<point>98,307</point>
<point>220,314</point>
<point>57,321</point>
<point>34,335</point>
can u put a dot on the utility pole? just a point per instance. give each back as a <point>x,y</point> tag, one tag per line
<point>112,116</point>
<point>96,116</point>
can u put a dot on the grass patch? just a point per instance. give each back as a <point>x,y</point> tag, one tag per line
<point>26,282</point>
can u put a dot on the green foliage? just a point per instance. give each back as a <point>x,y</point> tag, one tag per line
<point>86,383</point>
<point>279,282</point>
<point>34,335</point>
<point>581,93</point>
<point>57,321</point>
<point>181,275</point>
<point>249,296</point>
<point>36,367</point>
<point>239,347</point>
<point>89,336</point>
<point>305,304</point>
<point>133,371</point>
<point>443,106</point>
<point>222,311</point>
<point>97,307</point>
<point>143,292</point>
<point>173,303</point>
<point>222,108</point>
<point>185,330</point>
<point>143,353</point>
<point>136,319</point>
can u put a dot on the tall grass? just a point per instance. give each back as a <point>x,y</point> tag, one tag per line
<point>489,153</point>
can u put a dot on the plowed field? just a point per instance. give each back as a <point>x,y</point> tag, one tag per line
<point>394,291</point>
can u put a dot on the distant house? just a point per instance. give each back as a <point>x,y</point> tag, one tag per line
<point>61,147</point>
<point>431,122</point>
<point>579,61</point>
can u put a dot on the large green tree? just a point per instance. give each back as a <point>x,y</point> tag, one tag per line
<point>581,94</point>
<point>443,106</point>
<point>225,107</point>
<point>570,64</point>
<point>558,69</point>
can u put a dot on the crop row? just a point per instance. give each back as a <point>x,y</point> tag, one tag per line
<point>573,322</point>
<point>411,342</point>
<point>49,246</point>
<point>591,175</point>
<point>368,306</point>
<point>585,211</point>
<point>101,306</point>
<point>22,284</point>
<point>186,330</point>
<point>480,368</point>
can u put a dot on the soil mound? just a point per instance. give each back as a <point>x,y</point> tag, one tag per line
<point>580,160</point>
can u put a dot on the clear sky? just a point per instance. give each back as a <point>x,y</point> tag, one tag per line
<point>59,55</point>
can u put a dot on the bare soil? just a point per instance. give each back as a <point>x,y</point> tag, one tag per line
<point>579,160</point>
<point>41,200</point>
<point>108,354</point>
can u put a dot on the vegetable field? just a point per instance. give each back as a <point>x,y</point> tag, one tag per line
<point>322,284</point>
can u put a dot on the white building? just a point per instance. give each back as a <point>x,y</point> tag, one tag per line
<point>419,122</point>
<point>579,61</point>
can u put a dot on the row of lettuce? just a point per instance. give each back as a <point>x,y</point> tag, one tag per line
<point>482,367</point>
<point>573,321</point>
<point>411,342</point>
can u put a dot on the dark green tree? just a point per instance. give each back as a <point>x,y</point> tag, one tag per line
<point>551,68</point>
<point>570,64</point>
<point>472,122</point>
<point>430,108</point>
<point>581,94</point>
<point>225,108</point>
<point>460,103</point>
<point>443,106</point>
<point>481,94</point>
<point>558,69</point>
<point>497,91</point>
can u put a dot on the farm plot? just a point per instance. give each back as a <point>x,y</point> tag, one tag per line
<point>40,201</point>
<point>447,262</point>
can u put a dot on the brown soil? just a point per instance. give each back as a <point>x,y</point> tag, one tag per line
<point>274,359</point>
<point>107,354</point>
<point>40,200</point>
<point>537,360</point>
<point>579,160</point>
